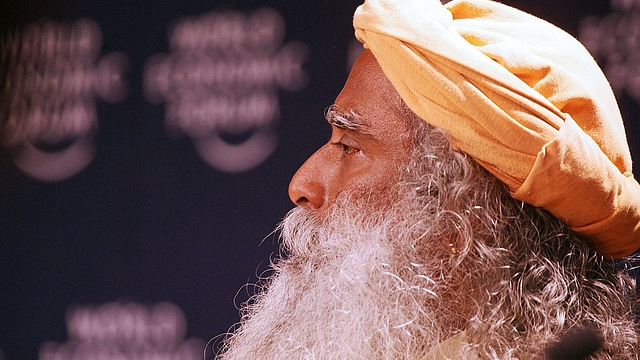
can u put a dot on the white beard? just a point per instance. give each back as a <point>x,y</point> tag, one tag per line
<point>362,284</point>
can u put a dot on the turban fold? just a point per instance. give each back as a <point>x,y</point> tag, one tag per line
<point>523,98</point>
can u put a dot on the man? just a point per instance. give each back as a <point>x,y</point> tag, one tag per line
<point>409,241</point>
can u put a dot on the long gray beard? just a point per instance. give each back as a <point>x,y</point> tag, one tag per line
<point>375,278</point>
<point>351,286</point>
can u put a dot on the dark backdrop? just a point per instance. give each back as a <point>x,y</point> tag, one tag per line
<point>148,220</point>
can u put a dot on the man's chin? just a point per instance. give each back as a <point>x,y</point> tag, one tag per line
<point>351,289</point>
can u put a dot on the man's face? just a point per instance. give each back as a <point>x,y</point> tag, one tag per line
<point>368,143</point>
<point>365,272</point>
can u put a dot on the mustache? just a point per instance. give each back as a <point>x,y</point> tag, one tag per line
<point>306,232</point>
<point>299,231</point>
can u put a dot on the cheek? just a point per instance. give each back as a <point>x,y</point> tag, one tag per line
<point>370,177</point>
<point>372,185</point>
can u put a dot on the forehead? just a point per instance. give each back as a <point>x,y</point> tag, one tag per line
<point>369,94</point>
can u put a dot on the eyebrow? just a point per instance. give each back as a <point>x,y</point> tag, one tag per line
<point>346,120</point>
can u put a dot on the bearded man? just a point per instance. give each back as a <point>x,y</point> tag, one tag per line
<point>468,204</point>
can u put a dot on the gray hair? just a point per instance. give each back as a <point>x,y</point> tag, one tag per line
<point>532,279</point>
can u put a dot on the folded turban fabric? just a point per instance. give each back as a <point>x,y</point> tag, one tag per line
<point>522,97</point>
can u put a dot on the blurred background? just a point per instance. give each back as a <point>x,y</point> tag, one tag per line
<point>146,149</point>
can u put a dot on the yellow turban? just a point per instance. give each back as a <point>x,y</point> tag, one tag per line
<point>523,98</point>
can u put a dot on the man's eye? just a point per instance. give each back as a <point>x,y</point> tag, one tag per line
<point>348,149</point>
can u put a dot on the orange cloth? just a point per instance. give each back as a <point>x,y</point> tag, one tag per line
<point>455,347</point>
<point>523,98</point>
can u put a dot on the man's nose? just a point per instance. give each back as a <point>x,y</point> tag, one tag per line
<point>306,188</point>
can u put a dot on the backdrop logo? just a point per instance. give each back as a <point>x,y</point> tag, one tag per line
<point>613,41</point>
<point>52,77</point>
<point>220,84</point>
<point>123,331</point>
